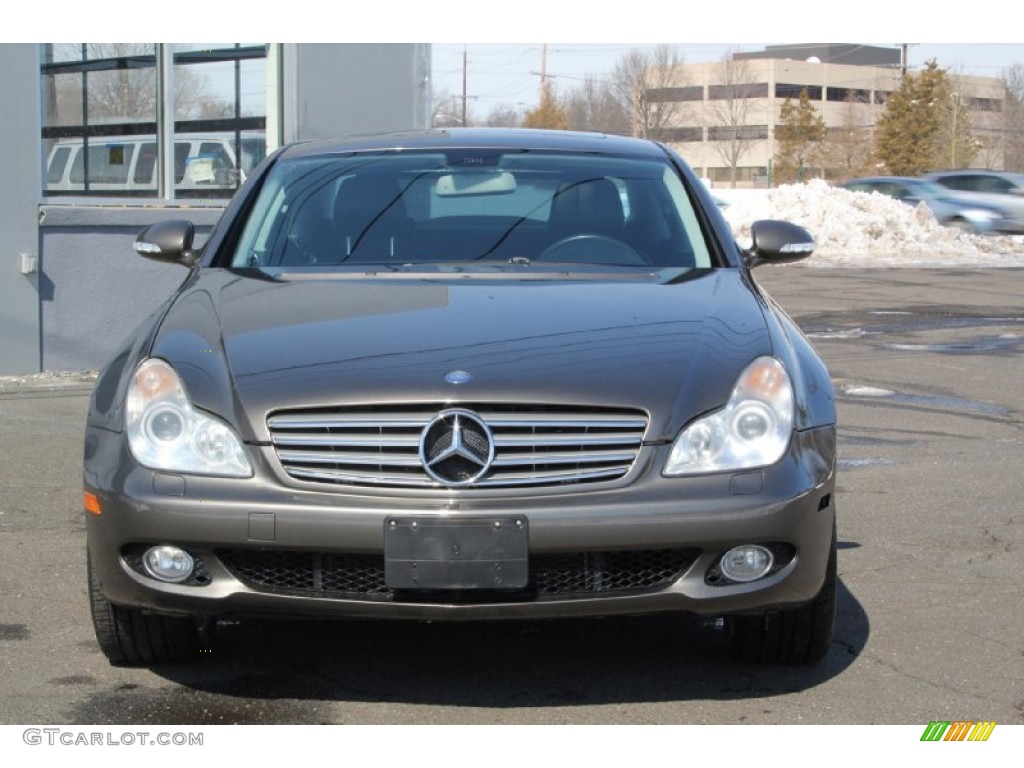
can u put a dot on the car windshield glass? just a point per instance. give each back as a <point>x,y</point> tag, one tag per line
<point>926,189</point>
<point>466,207</point>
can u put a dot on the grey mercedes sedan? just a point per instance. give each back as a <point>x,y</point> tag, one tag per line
<point>465,375</point>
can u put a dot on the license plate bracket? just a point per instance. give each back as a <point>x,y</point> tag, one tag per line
<point>430,553</point>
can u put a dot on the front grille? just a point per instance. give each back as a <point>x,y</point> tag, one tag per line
<point>379,446</point>
<point>361,577</point>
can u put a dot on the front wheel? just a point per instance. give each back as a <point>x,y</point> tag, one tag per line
<point>800,635</point>
<point>129,637</point>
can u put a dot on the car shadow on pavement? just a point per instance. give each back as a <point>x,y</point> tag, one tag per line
<point>280,671</point>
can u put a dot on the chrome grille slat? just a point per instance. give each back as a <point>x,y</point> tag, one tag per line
<point>504,441</point>
<point>348,441</point>
<point>317,421</point>
<point>332,457</point>
<point>538,478</point>
<point>563,421</point>
<point>350,478</point>
<point>379,446</point>
<point>515,460</point>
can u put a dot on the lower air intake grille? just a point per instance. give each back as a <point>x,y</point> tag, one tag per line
<point>361,577</point>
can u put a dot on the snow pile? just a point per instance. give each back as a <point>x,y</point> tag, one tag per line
<point>861,229</point>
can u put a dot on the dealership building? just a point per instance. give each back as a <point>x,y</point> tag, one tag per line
<point>100,140</point>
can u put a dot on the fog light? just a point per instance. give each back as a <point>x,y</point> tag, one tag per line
<point>746,563</point>
<point>168,563</point>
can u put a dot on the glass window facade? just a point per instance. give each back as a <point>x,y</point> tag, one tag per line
<point>738,91</point>
<point>743,173</point>
<point>793,90</point>
<point>848,95</point>
<point>685,133</point>
<point>111,109</point>
<point>734,132</point>
<point>686,93</point>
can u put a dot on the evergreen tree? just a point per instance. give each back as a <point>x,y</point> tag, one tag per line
<point>800,135</point>
<point>548,114</point>
<point>925,126</point>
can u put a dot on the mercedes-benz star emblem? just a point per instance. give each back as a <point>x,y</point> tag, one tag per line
<point>457,377</point>
<point>456,448</point>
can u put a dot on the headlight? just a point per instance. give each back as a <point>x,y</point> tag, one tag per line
<point>166,432</point>
<point>752,430</point>
<point>976,213</point>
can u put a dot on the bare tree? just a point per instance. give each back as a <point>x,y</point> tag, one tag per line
<point>211,108</point>
<point>127,92</point>
<point>504,116</point>
<point>955,144</point>
<point>446,110</point>
<point>728,114</point>
<point>593,106</point>
<point>849,146</point>
<point>642,81</point>
<point>1013,118</point>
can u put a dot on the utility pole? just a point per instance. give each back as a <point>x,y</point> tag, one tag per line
<point>543,72</point>
<point>464,47</point>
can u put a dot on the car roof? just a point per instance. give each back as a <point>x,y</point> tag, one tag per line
<point>873,179</point>
<point>977,172</point>
<point>482,138</point>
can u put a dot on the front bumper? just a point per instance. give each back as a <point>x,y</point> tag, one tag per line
<point>672,529</point>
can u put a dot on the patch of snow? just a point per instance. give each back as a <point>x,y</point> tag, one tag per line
<point>865,391</point>
<point>867,229</point>
<point>48,380</point>
<point>853,333</point>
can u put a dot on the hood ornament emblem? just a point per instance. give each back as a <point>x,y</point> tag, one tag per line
<point>458,377</point>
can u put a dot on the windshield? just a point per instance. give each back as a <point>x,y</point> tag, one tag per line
<point>927,189</point>
<point>408,209</point>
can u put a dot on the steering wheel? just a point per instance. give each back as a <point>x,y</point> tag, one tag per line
<point>590,248</point>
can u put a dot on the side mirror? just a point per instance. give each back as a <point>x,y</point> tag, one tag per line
<point>778,242</point>
<point>169,242</point>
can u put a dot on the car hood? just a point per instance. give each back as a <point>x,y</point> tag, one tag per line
<point>247,346</point>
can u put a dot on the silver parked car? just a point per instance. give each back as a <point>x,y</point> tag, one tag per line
<point>465,375</point>
<point>949,208</point>
<point>1003,189</point>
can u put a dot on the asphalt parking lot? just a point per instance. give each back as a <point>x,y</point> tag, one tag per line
<point>928,366</point>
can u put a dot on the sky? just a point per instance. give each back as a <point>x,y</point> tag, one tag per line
<point>509,73</point>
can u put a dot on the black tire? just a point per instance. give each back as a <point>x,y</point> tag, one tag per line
<point>800,635</point>
<point>129,637</point>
